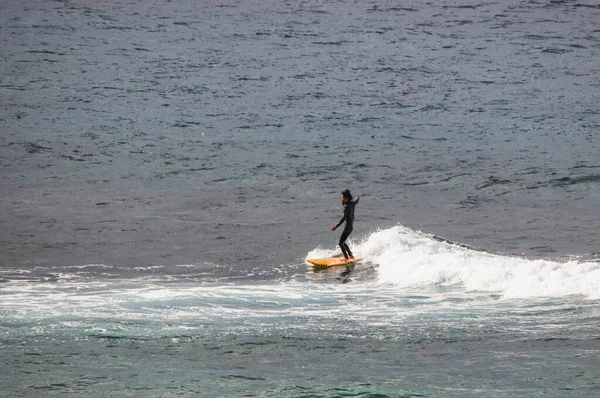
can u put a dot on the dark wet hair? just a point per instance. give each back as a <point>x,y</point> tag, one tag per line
<point>346,194</point>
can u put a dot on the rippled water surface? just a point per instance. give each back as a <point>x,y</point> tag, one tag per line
<point>166,167</point>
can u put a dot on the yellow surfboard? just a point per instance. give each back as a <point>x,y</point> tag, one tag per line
<point>330,261</point>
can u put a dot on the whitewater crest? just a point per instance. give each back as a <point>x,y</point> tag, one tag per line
<point>407,258</point>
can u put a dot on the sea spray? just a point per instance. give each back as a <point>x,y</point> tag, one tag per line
<point>408,258</point>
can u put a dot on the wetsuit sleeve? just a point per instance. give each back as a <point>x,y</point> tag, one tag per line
<point>343,218</point>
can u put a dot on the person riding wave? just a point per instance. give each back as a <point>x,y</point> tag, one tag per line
<point>348,218</point>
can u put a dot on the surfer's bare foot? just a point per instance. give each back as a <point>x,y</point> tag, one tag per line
<point>351,257</point>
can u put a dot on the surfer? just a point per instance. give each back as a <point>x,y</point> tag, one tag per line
<point>348,217</point>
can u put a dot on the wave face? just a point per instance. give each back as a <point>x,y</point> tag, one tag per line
<point>406,258</point>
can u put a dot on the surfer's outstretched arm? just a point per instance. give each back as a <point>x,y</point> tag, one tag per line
<point>344,217</point>
<point>341,221</point>
<point>356,200</point>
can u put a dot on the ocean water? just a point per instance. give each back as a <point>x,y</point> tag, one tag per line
<point>167,166</point>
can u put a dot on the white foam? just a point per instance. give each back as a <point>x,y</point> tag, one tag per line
<point>408,258</point>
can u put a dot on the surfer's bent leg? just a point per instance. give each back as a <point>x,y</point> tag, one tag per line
<point>345,249</point>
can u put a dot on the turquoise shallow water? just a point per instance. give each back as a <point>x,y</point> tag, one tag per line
<point>360,331</point>
<point>290,339</point>
<point>166,168</point>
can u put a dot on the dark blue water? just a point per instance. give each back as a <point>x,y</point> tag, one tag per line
<point>166,167</point>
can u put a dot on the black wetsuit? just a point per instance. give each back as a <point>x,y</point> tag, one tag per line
<point>348,217</point>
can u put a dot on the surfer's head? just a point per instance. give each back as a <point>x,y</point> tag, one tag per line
<point>346,196</point>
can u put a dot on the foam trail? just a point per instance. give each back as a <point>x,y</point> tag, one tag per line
<point>408,258</point>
